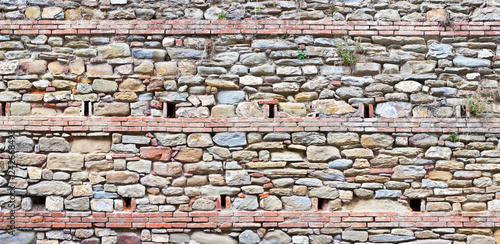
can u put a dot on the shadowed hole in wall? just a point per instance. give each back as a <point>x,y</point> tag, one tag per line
<point>322,204</point>
<point>170,110</point>
<point>366,111</point>
<point>223,201</point>
<point>87,107</point>
<point>416,205</point>
<point>127,203</point>
<point>38,203</point>
<point>272,107</point>
<point>463,112</point>
<point>3,109</point>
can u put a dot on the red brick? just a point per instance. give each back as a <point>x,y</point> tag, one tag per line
<point>156,153</point>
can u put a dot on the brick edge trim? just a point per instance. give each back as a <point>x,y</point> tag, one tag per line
<point>266,27</point>
<point>80,126</point>
<point>177,221</point>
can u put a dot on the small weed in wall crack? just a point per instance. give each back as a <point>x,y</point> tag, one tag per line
<point>476,104</point>
<point>221,15</point>
<point>453,137</point>
<point>347,52</point>
<point>302,54</point>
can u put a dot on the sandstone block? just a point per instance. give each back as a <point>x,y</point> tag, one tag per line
<point>355,235</point>
<point>114,50</point>
<point>377,140</point>
<point>65,161</point>
<point>223,111</point>
<point>166,68</point>
<point>91,145</point>
<point>331,106</point>
<point>237,177</point>
<point>206,238</point>
<point>167,169</point>
<point>112,109</point>
<point>322,153</point>
<point>122,177</point>
<point>296,203</point>
<point>189,155</point>
<point>54,144</point>
<point>98,69</point>
<point>47,188</point>
<point>136,190</point>
<point>168,139</point>
<point>102,205</point>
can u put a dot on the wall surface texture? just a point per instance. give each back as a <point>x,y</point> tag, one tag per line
<point>274,122</point>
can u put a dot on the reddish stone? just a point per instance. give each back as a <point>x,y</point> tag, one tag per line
<point>189,155</point>
<point>91,241</point>
<point>156,153</point>
<point>123,177</point>
<point>467,174</point>
<point>178,42</point>
<point>155,86</point>
<point>128,238</point>
<point>156,104</point>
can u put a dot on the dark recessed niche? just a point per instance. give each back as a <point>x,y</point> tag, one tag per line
<point>170,110</point>
<point>38,203</point>
<point>463,112</point>
<point>322,204</point>
<point>38,199</point>
<point>3,109</point>
<point>272,108</point>
<point>127,203</point>
<point>223,201</point>
<point>87,108</point>
<point>366,111</point>
<point>416,205</point>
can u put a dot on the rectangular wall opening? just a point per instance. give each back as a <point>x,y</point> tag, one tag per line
<point>38,203</point>
<point>170,110</point>
<point>3,109</point>
<point>223,202</point>
<point>416,205</point>
<point>127,203</point>
<point>87,107</point>
<point>322,204</point>
<point>272,107</point>
<point>366,111</point>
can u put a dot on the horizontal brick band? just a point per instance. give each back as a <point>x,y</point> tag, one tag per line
<point>79,125</point>
<point>203,27</point>
<point>176,222</point>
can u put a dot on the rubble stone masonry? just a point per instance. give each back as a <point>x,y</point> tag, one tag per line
<point>273,122</point>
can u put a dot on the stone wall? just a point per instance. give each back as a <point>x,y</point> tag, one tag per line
<point>156,122</point>
<point>475,10</point>
<point>244,75</point>
<point>323,180</point>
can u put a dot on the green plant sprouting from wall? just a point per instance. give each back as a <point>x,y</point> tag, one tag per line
<point>302,54</point>
<point>476,104</point>
<point>348,52</point>
<point>221,15</point>
<point>333,8</point>
<point>453,137</point>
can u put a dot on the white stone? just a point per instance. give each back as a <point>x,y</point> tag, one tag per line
<point>53,203</point>
<point>118,1</point>
<point>249,80</point>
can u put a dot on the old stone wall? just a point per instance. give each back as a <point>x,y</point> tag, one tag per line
<point>250,122</point>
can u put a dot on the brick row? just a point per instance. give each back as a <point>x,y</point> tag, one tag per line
<point>78,126</point>
<point>314,27</point>
<point>225,219</point>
